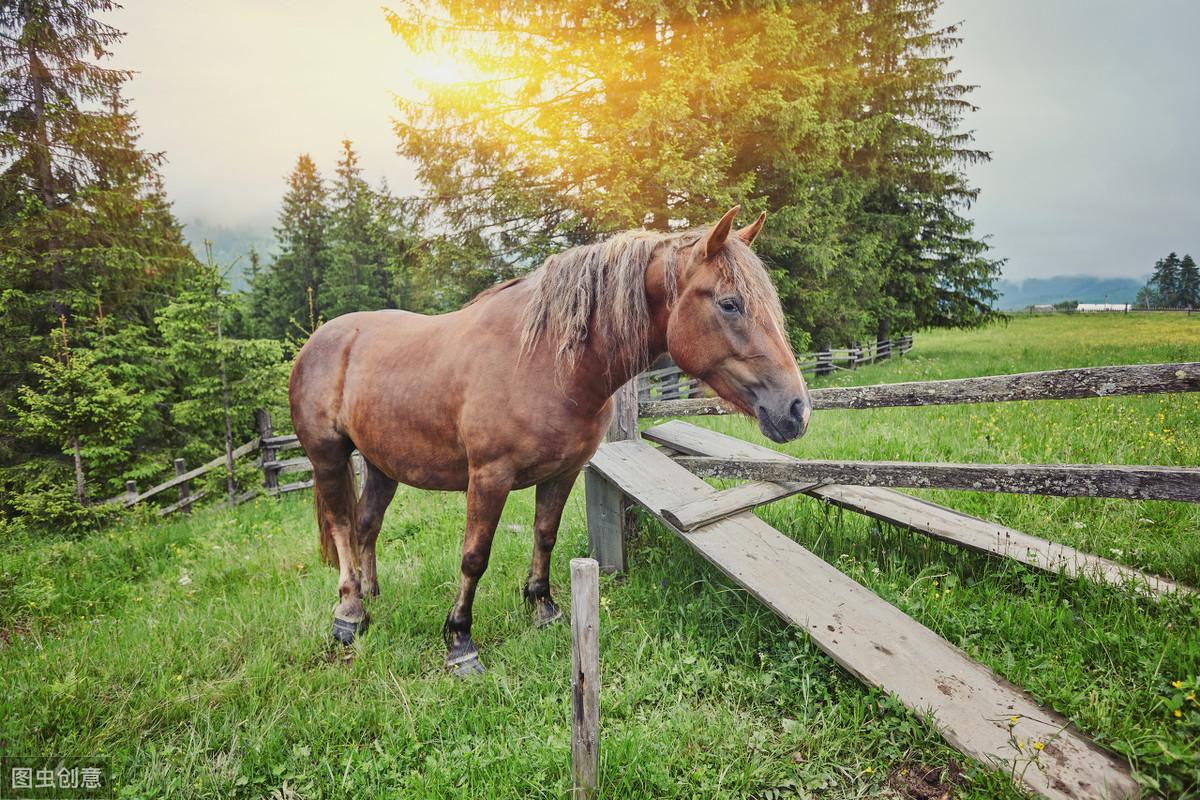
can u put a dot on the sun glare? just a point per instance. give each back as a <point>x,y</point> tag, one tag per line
<point>437,69</point>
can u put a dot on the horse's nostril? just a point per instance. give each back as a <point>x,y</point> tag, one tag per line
<point>801,410</point>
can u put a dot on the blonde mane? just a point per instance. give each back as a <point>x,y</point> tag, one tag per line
<point>604,285</point>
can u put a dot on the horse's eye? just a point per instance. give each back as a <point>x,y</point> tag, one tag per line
<point>730,305</point>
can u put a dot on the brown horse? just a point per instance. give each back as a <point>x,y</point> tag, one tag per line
<point>514,390</point>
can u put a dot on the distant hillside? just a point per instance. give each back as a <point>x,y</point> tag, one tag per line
<point>231,246</point>
<point>1084,288</point>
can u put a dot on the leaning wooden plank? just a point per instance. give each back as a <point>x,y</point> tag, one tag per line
<point>978,712</point>
<point>180,504</point>
<point>925,517</point>
<point>719,505</point>
<point>219,461</point>
<point>1126,482</point>
<point>1059,384</point>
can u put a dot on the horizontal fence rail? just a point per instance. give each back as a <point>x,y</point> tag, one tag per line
<point>672,383</point>
<point>1062,384</point>
<point>1059,480</point>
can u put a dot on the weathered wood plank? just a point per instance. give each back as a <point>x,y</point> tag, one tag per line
<point>606,521</point>
<point>285,465</point>
<point>876,642</point>
<point>1060,384</point>
<point>1125,482</point>
<point>282,442</point>
<point>726,503</point>
<point>925,517</point>
<point>294,487</point>
<point>184,503</point>
<point>585,677</point>
<point>624,423</point>
<point>216,463</point>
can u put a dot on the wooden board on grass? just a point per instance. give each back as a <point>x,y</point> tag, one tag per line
<point>978,712</point>
<point>925,517</point>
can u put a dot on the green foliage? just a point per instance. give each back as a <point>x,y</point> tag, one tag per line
<point>86,235</point>
<point>220,377</point>
<point>342,248</point>
<point>839,118</point>
<point>286,296</point>
<point>1175,283</point>
<point>73,404</point>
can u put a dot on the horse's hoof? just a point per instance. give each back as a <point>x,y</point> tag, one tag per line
<point>465,666</point>
<point>344,631</point>
<point>546,614</point>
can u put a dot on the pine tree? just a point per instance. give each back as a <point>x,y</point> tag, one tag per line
<point>86,232</point>
<point>74,403</point>
<point>287,294</point>
<point>226,378</point>
<point>369,246</point>
<point>840,118</point>
<point>1189,283</point>
<point>1165,281</point>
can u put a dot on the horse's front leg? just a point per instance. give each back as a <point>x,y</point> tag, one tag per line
<point>551,499</point>
<point>486,494</point>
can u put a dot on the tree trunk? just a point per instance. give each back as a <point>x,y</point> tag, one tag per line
<point>45,177</point>
<point>80,485</point>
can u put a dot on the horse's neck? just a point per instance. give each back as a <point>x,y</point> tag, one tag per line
<point>617,373</point>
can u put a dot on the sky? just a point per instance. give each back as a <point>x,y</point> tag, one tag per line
<point>1090,108</point>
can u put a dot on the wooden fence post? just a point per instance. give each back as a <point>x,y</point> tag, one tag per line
<point>266,430</point>
<point>824,362</point>
<point>607,506</point>
<point>585,678</point>
<point>130,492</point>
<point>855,355</point>
<point>185,488</point>
<point>883,349</point>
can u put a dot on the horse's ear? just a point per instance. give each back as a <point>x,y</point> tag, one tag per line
<point>720,232</point>
<point>749,233</point>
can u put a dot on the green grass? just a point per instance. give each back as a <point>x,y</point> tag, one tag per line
<point>194,653</point>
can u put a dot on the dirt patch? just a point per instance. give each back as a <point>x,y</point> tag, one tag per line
<point>923,782</point>
<point>7,634</point>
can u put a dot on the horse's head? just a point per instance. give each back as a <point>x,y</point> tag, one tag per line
<point>727,329</point>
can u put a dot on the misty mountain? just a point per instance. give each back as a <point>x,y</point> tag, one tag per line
<point>231,246</point>
<point>1084,288</point>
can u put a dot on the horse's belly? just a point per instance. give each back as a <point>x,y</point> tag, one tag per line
<point>423,465</point>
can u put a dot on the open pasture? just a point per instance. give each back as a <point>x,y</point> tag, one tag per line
<point>194,653</point>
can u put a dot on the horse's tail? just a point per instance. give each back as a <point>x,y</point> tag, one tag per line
<point>346,488</point>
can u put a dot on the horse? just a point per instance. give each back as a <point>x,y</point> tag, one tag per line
<point>515,390</point>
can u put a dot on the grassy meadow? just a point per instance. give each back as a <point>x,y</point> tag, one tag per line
<point>194,652</point>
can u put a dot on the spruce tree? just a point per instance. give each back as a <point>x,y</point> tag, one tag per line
<point>74,403</point>
<point>1165,281</point>
<point>1189,283</point>
<point>287,297</point>
<point>840,118</point>
<point>86,233</point>
<point>226,378</point>
<point>368,244</point>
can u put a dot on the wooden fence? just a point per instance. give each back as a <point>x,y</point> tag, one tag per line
<point>269,451</point>
<point>671,383</point>
<point>979,712</point>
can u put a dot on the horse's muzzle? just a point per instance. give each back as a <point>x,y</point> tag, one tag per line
<point>783,418</point>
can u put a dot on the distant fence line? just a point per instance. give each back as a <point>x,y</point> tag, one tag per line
<point>672,383</point>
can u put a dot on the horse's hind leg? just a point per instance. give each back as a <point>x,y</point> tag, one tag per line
<point>551,499</point>
<point>377,494</point>
<point>336,501</point>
